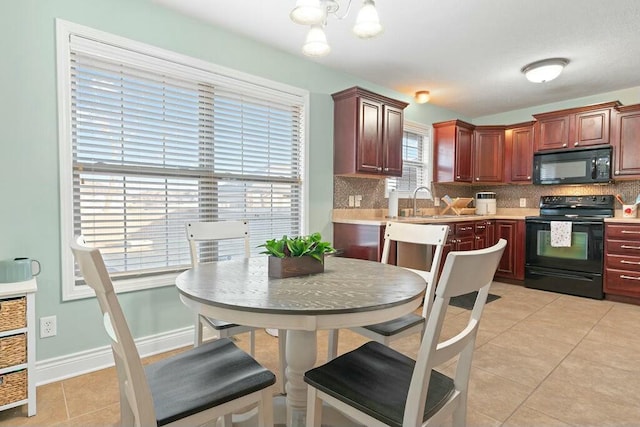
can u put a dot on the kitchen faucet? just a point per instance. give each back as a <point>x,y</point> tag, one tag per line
<point>415,194</point>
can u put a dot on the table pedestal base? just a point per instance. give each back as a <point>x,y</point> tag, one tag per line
<point>330,417</point>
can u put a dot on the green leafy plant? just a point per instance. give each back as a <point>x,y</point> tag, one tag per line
<point>311,245</point>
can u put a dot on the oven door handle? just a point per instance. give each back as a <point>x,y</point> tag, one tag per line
<point>558,274</point>
<point>546,221</point>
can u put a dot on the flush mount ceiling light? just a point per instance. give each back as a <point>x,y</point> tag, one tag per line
<point>545,70</point>
<point>315,12</point>
<point>422,96</point>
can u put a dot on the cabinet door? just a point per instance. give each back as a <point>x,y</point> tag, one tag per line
<point>359,241</point>
<point>464,145</point>
<point>626,145</point>
<point>369,136</point>
<point>552,133</point>
<point>483,234</point>
<point>519,154</point>
<point>488,155</point>
<point>591,128</point>
<point>392,141</point>
<point>512,262</point>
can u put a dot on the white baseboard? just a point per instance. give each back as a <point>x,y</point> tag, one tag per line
<point>71,365</point>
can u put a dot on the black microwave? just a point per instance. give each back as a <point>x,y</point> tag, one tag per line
<point>576,166</point>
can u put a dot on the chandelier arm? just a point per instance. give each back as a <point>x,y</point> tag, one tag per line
<point>335,12</point>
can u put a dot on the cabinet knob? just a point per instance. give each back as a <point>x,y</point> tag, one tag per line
<point>458,177</point>
<point>617,172</point>
<point>564,145</point>
<point>575,144</point>
<point>477,179</point>
<point>379,169</point>
<point>528,177</point>
<point>386,169</point>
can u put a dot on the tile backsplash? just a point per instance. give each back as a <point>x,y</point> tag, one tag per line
<point>507,196</point>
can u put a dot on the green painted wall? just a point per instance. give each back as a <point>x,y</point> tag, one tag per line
<point>625,96</point>
<point>29,207</point>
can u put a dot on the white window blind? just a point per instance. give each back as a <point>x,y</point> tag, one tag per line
<point>155,144</point>
<point>415,166</point>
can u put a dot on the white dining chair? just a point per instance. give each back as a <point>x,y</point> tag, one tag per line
<point>201,236</point>
<point>190,388</point>
<point>378,386</point>
<point>433,238</point>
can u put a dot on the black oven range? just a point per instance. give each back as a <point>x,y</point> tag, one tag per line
<point>565,244</point>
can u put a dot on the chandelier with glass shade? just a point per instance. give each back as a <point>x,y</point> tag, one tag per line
<point>314,13</point>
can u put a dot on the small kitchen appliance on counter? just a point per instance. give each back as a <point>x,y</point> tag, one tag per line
<point>485,203</point>
<point>571,261</point>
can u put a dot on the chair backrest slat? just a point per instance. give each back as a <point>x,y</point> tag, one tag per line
<point>432,235</point>
<point>463,272</point>
<point>216,230</point>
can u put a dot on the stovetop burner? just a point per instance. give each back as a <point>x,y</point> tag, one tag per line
<point>577,207</point>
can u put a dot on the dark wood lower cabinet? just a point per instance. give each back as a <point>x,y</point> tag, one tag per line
<point>512,263</point>
<point>359,240</point>
<point>622,260</point>
<point>366,242</point>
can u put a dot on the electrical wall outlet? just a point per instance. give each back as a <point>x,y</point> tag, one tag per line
<point>436,202</point>
<point>358,200</point>
<point>48,327</point>
<point>351,201</point>
<point>523,202</point>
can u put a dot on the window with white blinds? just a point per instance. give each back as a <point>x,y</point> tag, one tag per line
<point>415,160</point>
<point>154,143</point>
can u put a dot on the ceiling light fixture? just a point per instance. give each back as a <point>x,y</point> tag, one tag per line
<point>545,70</point>
<point>316,42</point>
<point>314,13</point>
<point>422,96</point>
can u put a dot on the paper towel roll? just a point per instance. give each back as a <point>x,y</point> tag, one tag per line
<point>393,204</point>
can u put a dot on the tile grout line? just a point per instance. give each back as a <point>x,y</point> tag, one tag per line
<point>557,365</point>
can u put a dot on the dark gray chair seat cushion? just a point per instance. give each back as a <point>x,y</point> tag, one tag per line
<point>375,380</point>
<point>396,326</point>
<point>203,377</point>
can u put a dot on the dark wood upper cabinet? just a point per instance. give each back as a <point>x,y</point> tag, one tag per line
<point>488,154</point>
<point>518,157</point>
<point>368,132</point>
<point>466,153</point>
<point>453,144</point>
<point>626,142</point>
<point>574,128</point>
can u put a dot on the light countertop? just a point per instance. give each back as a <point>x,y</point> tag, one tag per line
<point>377,216</point>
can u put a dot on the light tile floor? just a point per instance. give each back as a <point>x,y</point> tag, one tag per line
<point>542,359</point>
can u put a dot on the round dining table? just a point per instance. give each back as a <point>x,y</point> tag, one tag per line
<point>349,293</point>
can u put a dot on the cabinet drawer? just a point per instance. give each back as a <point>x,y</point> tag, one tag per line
<point>464,229</point>
<point>13,314</point>
<point>480,228</point>
<point>623,247</point>
<point>623,262</point>
<point>13,350</point>
<point>13,387</point>
<point>623,231</point>
<point>622,282</point>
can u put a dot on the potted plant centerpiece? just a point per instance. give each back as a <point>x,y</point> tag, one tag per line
<point>296,256</point>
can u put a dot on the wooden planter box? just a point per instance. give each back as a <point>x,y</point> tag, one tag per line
<point>294,266</point>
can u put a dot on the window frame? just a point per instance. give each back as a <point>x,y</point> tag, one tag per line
<point>64,31</point>
<point>427,160</point>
